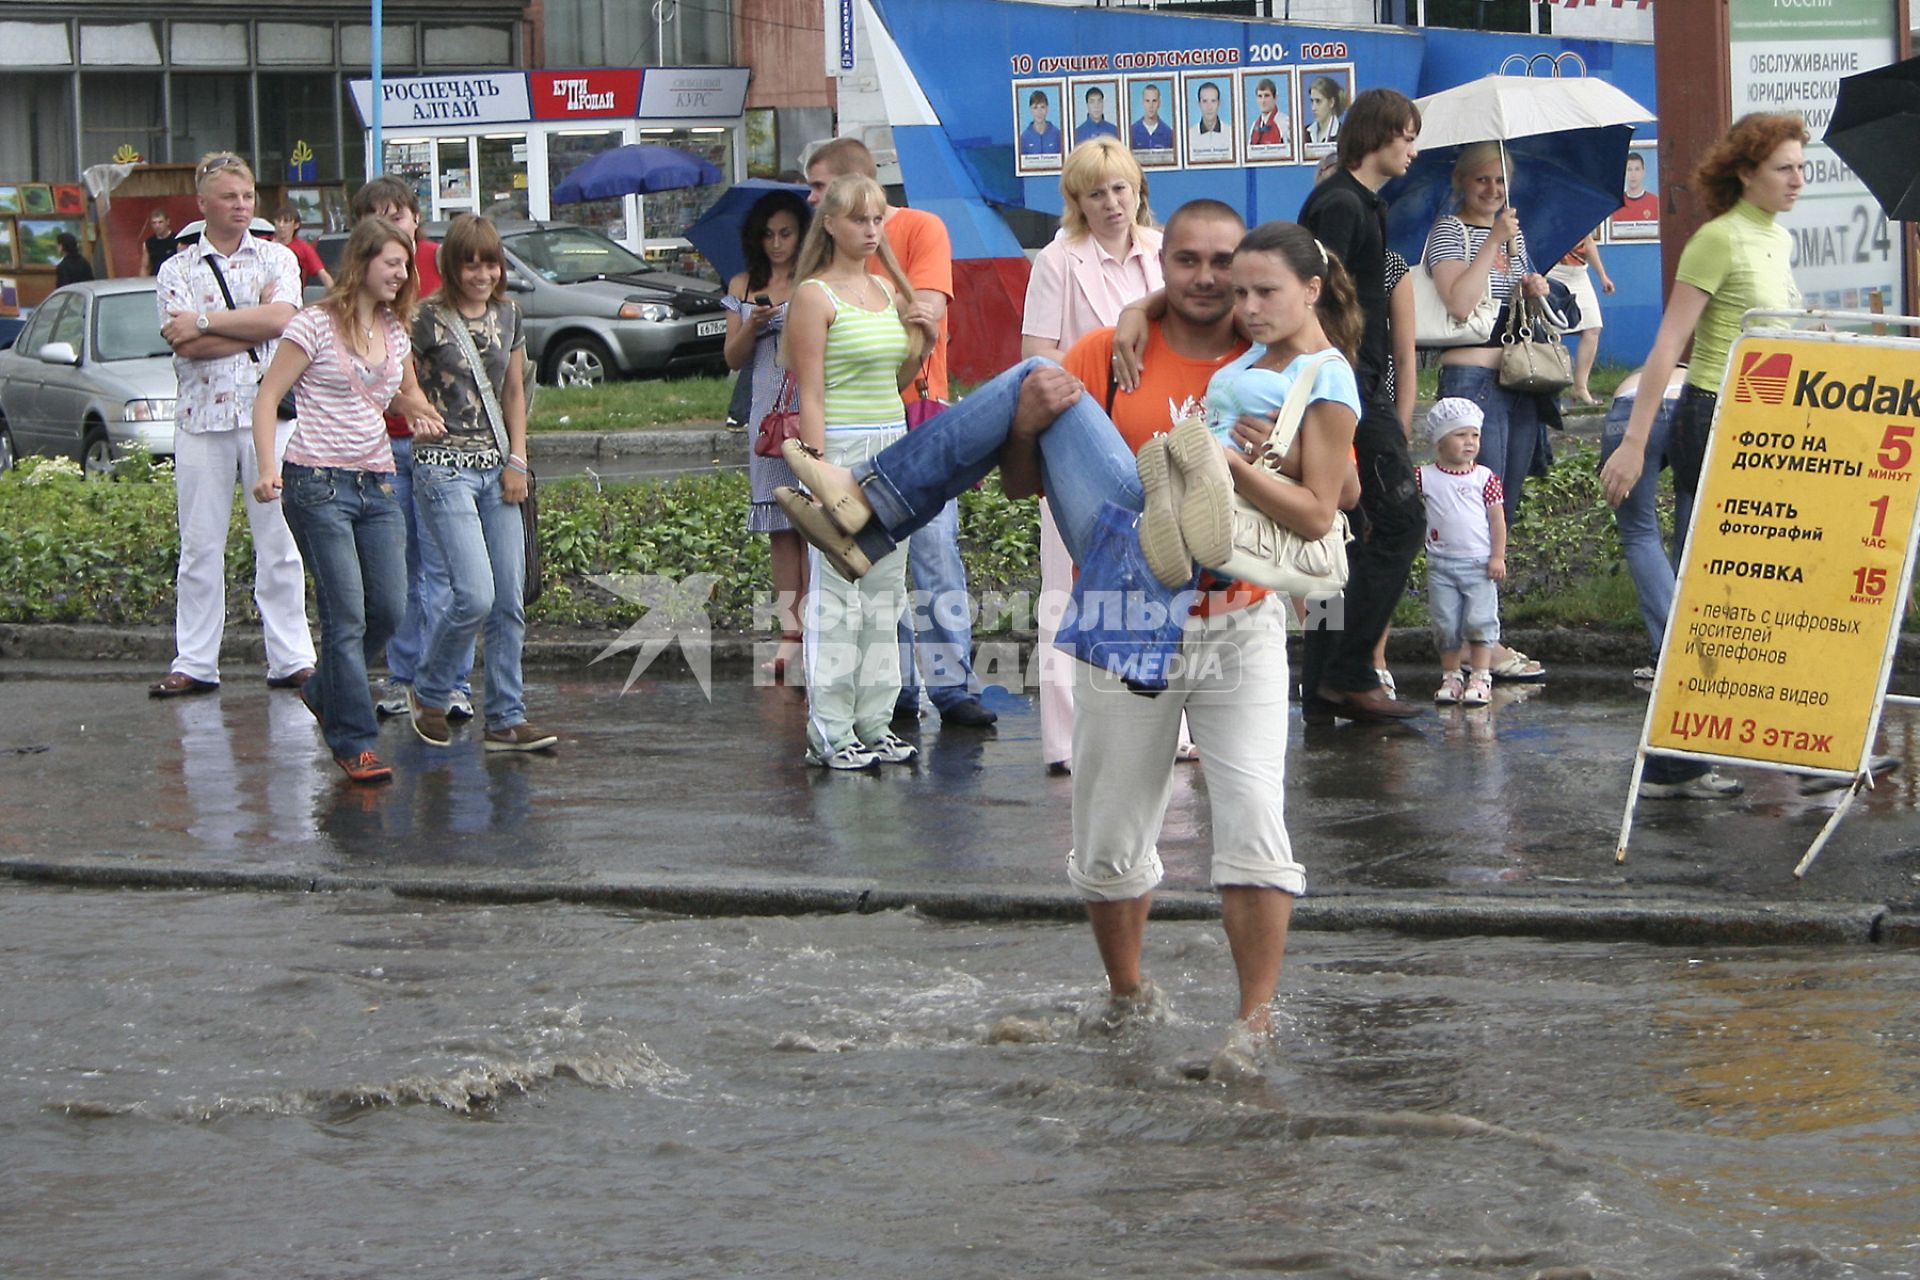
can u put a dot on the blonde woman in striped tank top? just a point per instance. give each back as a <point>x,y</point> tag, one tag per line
<point>851,350</point>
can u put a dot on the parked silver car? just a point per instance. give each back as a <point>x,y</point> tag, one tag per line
<point>595,310</point>
<point>88,377</point>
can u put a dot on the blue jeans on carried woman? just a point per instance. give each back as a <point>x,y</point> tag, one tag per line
<point>353,537</point>
<point>479,537</point>
<point>1512,437</point>
<point>1084,463</point>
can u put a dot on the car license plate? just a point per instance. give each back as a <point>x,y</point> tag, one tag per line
<point>707,328</point>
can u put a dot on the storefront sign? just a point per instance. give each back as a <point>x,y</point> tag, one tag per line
<point>693,93</point>
<point>1788,55</point>
<point>1790,597</point>
<point>585,95</point>
<point>484,98</point>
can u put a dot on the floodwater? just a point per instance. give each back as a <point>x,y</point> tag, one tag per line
<point>205,1085</point>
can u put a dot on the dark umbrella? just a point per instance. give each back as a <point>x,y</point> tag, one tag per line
<point>1874,126</point>
<point>636,167</point>
<point>717,232</point>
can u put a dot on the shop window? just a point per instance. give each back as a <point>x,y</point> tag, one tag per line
<point>209,44</point>
<point>396,46</point>
<point>668,214</point>
<point>567,149</point>
<point>411,161</point>
<point>294,44</point>
<point>503,176</point>
<point>131,44</point>
<point>35,44</point>
<point>210,113</point>
<point>36,130</point>
<point>120,110</point>
<point>469,47</point>
<point>299,118</point>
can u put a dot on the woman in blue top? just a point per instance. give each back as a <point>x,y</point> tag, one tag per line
<point>1298,302</point>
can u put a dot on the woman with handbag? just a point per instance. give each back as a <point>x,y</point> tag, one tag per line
<point>469,489</point>
<point>757,305</point>
<point>1105,255</point>
<point>345,358</point>
<point>851,351</point>
<point>1231,679</point>
<point>1476,250</point>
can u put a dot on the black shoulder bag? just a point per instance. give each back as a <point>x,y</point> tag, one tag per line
<point>285,411</point>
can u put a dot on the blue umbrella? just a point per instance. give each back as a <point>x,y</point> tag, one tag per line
<point>636,167</point>
<point>1564,184</point>
<point>716,234</point>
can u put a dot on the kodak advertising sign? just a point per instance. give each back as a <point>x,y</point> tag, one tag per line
<point>1794,580</point>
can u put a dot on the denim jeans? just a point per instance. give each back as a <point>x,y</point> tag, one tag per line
<point>480,539</point>
<point>1649,562</point>
<point>350,531</point>
<point>428,587</point>
<point>938,622</point>
<point>1512,436</point>
<point>1084,462</point>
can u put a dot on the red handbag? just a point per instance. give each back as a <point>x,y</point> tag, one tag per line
<point>780,425</point>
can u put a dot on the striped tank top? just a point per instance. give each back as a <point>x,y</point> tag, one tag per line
<point>862,365</point>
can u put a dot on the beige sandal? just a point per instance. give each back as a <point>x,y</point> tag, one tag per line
<point>838,493</point>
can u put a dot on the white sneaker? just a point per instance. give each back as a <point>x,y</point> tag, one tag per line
<point>891,749</point>
<point>391,698</point>
<point>851,756</point>
<point>1708,786</point>
<point>460,705</point>
<point>1643,674</point>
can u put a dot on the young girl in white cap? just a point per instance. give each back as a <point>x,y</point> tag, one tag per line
<point>1466,550</point>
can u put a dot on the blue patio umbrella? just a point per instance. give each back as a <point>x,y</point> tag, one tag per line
<point>634,168</point>
<point>716,233</point>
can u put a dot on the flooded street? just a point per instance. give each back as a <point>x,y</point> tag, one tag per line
<point>299,1085</point>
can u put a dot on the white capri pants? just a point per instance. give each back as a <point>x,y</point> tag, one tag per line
<point>1233,689</point>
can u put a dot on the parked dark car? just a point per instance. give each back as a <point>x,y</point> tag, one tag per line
<point>596,310</point>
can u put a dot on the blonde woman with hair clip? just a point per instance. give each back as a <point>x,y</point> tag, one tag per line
<point>851,350</point>
<point>1105,255</point>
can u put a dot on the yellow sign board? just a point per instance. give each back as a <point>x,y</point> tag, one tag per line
<point>1789,601</point>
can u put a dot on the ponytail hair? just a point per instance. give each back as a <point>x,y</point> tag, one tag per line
<point>1338,309</point>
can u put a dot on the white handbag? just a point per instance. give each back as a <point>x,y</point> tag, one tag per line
<point>1265,552</point>
<point>1434,325</point>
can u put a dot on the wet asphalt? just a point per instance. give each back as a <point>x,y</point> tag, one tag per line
<point>1498,820</point>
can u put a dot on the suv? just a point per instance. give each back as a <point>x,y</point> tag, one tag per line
<point>595,310</point>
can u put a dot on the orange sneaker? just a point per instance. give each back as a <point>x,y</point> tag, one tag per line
<point>366,767</point>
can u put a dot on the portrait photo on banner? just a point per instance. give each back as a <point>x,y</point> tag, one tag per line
<point>1039,142</point>
<point>1212,137</point>
<point>1638,217</point>
<point>1150,121</point>
<point>1325,94</point>
<point>1266,100</point>
<point>1096,108</point>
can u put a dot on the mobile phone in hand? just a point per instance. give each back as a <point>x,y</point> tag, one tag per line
<point>762,300</point>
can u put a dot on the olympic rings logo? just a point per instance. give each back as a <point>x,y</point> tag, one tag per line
<point>1552,65</point>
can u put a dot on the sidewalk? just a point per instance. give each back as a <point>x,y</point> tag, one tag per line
<point>1494,822</point>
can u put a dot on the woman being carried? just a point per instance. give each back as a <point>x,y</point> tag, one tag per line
<point>851,352</point>
<point>1295,299</point>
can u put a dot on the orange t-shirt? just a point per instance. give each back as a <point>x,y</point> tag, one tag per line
<point>1172,387</point>
<point>920,241</point>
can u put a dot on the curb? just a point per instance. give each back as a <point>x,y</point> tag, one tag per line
<point>706,440</point>
<point>1664,922</point>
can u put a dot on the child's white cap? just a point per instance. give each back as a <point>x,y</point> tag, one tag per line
<point>1455,413</point>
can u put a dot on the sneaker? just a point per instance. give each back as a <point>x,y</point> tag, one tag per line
<point>429,723</point>
<point>1708,786</point>
<point>1206,507</point>
<point>520,737</point>
<point>850,757</point>
<point>366,767</point>
<point>391,698</point>
<point>1642,675</point>
<point>1479,690</point>
<point>1160,536</point>
<point>1820,784</point>
<point>1451,685</point>
<point>460,705</point>
<point>968,714</point>
<point>891,749</point>
<point>1387,682</point>
<point>1146,1006</point>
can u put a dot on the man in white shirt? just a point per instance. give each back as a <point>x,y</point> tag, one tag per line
<point>220,349</point>
<point>1209,137</point>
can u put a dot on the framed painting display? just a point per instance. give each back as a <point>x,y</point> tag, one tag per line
<point>1208,118</point>
<point>1325,94</point>
<point>1638,217</point>
<point>36,200</point>
<point>1151,102</point>
<point>1039,142</point>
<point>1095,105</point>
<point>39,239</point>
<point>1266,105</point>
<point>70,200</point>
<point>305,201</point>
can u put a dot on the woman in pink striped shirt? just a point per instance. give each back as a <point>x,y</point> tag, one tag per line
<point>345,358</point>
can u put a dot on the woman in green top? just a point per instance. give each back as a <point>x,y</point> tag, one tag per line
<point>1740,260</point>
<point>851,349</point>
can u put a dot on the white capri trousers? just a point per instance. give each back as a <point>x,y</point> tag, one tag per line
<point>1579,282</point>
<point>1233,689</point>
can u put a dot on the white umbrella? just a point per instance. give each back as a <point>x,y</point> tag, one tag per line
<point>1500,108</point>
